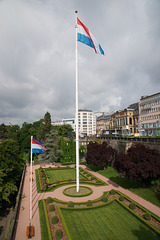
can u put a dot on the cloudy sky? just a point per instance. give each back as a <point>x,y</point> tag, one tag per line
<point>37,56</point>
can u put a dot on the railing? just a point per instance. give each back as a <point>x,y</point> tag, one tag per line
<point>137,139</point>
<point>16,210</point>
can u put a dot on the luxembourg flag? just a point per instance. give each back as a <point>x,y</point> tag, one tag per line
<point>86,37</point>
<point>37,146</point>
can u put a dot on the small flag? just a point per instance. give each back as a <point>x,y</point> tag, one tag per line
<point>86,37</point>
<point>37,146</point>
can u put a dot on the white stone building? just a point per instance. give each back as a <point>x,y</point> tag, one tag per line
<point>86,122</point>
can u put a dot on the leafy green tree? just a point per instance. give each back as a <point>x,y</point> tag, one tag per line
<point>65,130</point>
<point>6,187</point>
<point>11,166</point>
<point>25,137</point>
<point>47,122</point>
<point>3,131</point>
<point>10,159</point>
<point>13,132</point>
<point>52,153</point>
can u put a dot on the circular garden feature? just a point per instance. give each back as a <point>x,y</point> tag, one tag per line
<point>72,191</point>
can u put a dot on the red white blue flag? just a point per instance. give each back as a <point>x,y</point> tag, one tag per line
<point>86,37</point>
<point>37,146</point>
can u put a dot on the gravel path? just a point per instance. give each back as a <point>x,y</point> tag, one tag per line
<point>24,215</point>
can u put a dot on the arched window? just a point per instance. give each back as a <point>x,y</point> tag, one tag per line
<point>130,120</point>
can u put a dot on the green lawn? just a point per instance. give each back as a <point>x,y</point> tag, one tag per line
<point>43,222</point>
<point>62,175</point>
<point>146,193</point>
<point>112,222</point>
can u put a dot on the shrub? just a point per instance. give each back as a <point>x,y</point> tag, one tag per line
<point>51,208</point>
<point>92,178</point>
<point>132,206</point>
<point>98,181</point>
<point>113,192</point>
<point>105,199</point>
<point>54,220</point>
<point>49,200</point>
<point>45,186</point>
<point>70,204</point>
<point>147,216</point>
<point>58,234</point>
<point>89,203</point>
<point>121,198</point>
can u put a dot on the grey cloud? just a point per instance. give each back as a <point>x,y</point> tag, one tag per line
<point>37,56</point>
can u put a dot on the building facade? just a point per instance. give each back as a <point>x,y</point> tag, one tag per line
<point>86,122</point>
<point>103,124</point>
<point>149,115</point>
<point>125,122</point>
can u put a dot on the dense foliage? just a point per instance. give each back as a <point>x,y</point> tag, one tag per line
<point>11,166</point>
<point>139,163</point>
<point>65,130</point>
<point>99,154</point>
<point>52,153</point>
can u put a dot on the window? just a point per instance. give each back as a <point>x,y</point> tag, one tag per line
<point>130,120</point>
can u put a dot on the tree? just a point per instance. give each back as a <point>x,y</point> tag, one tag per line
<point>3,131</point>
<point>47,122</point>
<point>10,159</point>
<point>13,132</point>
<point>52,153</point>
<point>65,130</point>
<point>99,154</point>
<point>6,187</point>
<point>11,166</point>
<point>140,163</point>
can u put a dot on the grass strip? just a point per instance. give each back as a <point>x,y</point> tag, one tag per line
<point>64,224</point>
<point>44,222</point>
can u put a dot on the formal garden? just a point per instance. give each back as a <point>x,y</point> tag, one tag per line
<point>48,179</point>
<point>112,216</point>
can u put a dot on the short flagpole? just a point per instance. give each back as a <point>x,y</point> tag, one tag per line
<point>77,136</point>
<point>31,182</point>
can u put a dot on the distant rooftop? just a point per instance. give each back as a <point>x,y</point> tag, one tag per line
<point>84,110</point>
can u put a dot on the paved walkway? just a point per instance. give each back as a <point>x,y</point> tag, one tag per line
<point>24,215</point>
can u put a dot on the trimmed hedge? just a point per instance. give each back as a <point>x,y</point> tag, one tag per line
<point>140,218</point>
<point>70,204</point>
<point>89,203</point>
<point>78,203</point>
<point>51,208</point>
<point>47,220</point>
<point>54,220</point>
<point>105,199</point>
<point>147,216</point>
<point>132,206</point>
<point>112,192</point>
<point>49,200</point>
<point>121,198</point>
<point>139,206</point>
<point>64,224</point>
<point>58,234</point>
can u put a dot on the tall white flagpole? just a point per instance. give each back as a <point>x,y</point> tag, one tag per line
<point>77,136</point>
<point>31,182</point>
